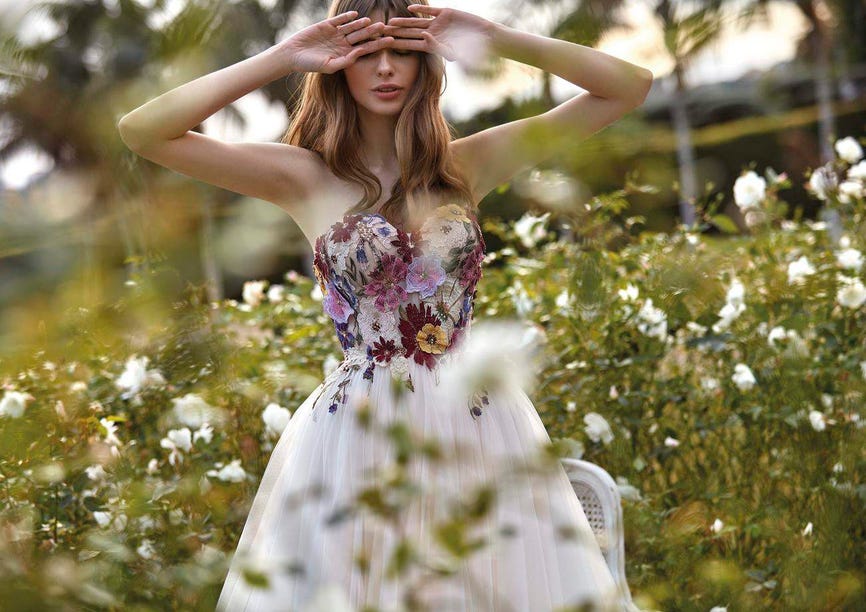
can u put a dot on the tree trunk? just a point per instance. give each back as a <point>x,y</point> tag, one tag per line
<point>685,149</point>
<point>208,255</point>
<point>826,122</point>
<point>824,93</point>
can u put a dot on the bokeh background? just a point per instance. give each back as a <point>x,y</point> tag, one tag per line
<point>718,330</point>
<point>771,79</point>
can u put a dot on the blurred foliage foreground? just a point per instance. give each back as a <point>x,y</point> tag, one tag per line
<point>720,380</point>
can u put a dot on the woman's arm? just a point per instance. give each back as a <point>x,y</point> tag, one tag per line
<point>492,156</point>
<point>614,88</point>
<point>160,130</point>
<point>602,75</point>
<point>179,110</point>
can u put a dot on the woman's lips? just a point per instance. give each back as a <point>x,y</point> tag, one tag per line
<point>388,95</point>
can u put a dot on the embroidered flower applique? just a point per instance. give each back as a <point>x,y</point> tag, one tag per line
<point>397,296</point>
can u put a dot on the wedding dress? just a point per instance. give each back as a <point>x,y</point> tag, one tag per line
<point>402,304</point>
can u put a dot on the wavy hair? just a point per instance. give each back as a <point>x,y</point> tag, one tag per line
<point>326,122</point>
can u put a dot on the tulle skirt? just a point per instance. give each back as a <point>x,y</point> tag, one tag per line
<point>308,544</point>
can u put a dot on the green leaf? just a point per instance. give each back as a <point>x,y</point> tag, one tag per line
<point>725,223</point>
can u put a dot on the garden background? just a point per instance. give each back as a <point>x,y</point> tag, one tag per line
<point>689,282</point>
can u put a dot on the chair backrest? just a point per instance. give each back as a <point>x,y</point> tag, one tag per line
<point>601,502</point>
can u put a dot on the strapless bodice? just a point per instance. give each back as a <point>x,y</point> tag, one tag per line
<point>394,295</point>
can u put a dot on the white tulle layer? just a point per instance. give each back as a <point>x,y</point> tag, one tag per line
<point>322,460</point>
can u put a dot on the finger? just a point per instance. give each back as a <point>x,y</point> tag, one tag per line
<point>352,26</point>
<point>411,44</point>
<point>403,32</point>
<point>342,18</point>
<point>411,22</point>
<point>370,47</point>
<point>439,48</point>
<point>371,30</point>
<point>423,8</point>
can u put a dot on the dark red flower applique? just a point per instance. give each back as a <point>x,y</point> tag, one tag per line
<point>417,316</point>
<point>384,350</point>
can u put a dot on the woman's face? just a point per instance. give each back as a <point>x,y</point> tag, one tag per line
<point>396,66</point>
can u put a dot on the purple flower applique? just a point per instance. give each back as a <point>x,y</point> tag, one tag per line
<point>336,305</point>
<point>425,275</point>
<point>387,283</point>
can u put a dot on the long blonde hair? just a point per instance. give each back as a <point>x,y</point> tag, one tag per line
<point>326,122</point>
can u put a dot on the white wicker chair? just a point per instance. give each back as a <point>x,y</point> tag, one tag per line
<point>600,498</point>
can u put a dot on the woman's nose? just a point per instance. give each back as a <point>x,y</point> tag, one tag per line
<point>384,60</point>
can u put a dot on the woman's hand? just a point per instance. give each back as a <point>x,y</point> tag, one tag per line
<point>453,34</point>
<point>327,46</point>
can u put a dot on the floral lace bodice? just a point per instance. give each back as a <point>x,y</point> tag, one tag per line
<point>395,296</point>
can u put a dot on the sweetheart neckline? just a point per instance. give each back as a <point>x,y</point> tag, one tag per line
<point>346,216</point>
<point>381,216</point>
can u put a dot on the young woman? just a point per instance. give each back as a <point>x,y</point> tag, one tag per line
<point>398,271</point>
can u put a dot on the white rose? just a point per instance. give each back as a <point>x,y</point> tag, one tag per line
<point>146,549</point>
<point>233,472</point>
<point>254,292</point>
<point>736,292</point>
<point>717,526</point>
<point>136,377</point>
<point>749,190</point>
<point>178,438</point>
<point>563,300</point>
<point>727,315</point>
<point>13,403</point>
<point>849,149</point>
<point>96,472</point>
<point>696,328</point>
<point>110,432</point>
<point>629,294</point>
<point>652,321</point>
<point>852,295</point>
<point>152,466</point>
<point>849,190</point>
<point>821,183</point>
<point>276,418</point>
<point>743,377</point>
<point>777,333</point>
<point>850,259</point>
<point>799,269</point>
<point>276,293</point>
<point>626,490</point>
<point>858,171</point>
<point>205,432</point>
<point>817,419</point>
<point>597,428</point>
<point>193,411</point>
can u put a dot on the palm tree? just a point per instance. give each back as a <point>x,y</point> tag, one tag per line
<point>687,30</point>
<point>65,94</point>
<point>686,35</point>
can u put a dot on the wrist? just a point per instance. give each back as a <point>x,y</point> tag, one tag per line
<point>284,53</point>
<point>496,33</point>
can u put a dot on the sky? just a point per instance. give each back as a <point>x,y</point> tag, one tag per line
<point>640,42</point>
